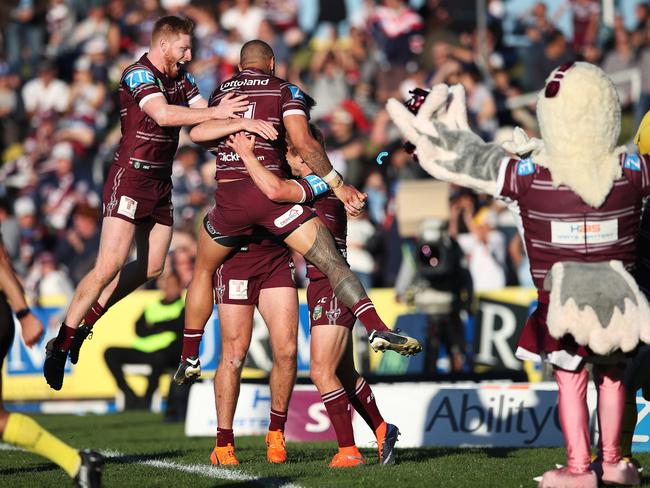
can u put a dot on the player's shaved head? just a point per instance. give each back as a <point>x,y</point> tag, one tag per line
<point>256,54</point>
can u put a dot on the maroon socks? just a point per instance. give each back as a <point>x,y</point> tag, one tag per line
<point>64,339</point>
<point>365,311</point>
<point>94,314</point>
<point>191,342</point>
<point>339,411</point>
<point>363,401</point>
<point>278,419</point>
<point>225,437</point>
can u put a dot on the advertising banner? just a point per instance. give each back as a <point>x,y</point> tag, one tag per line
<point>307,420</point>
<point>89,379</point>
<point>495,415</point>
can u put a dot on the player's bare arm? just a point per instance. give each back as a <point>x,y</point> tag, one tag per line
<point>166,115</point>
<point>275,188</point>
<point>32,329</point>
<point>316,158</point>
<point>208,133</point>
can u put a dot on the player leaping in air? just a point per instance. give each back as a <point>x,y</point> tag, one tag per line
<point>157,97</point>
<point>240,206</point>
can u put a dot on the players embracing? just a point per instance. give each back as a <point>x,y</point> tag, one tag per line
<point>279,110</point>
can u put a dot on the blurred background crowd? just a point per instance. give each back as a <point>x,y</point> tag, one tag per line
<point>61,62</point>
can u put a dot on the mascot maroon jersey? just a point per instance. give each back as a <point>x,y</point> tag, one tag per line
<point>146,146</point>
<point>560,226</point>
<point>270,99</point>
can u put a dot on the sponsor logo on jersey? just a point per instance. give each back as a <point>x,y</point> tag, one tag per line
<point>229,85</point>
<point>318,312</point>
<point>190,78</point>
<point>289,216</point>
<point>127,207</point>
<point>318,186</point>
<point>589,232</point>
<point>229,157</point>
<point>238,289</point>
<point>633,162</point>
<point>296,93</point>
<point>138,77</point>
<point>525,167</point>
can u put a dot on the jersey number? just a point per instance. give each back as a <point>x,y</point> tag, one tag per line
<point>250,111</point>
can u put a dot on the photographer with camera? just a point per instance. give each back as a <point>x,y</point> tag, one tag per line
<point>434,279</point>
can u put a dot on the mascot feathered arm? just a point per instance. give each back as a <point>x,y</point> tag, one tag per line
<point>445,146</point>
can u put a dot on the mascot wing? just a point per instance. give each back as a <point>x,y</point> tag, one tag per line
<point>444,145</point>
<point>599,304</point>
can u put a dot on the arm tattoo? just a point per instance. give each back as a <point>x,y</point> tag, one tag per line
<point>324,255</point>
<point>318,161</point>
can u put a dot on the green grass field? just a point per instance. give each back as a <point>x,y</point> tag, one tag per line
<point>147,452</point>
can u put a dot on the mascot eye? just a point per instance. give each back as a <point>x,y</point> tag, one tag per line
<point>553,86</point>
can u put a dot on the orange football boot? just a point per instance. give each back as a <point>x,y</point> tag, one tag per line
<point>224,456</point>
<point>276,452</point>
<point>347,457</point>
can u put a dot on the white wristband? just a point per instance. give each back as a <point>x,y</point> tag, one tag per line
<point>331,176</point>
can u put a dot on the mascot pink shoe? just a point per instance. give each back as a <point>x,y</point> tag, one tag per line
<point>620,473</point>
<point>563,478</point>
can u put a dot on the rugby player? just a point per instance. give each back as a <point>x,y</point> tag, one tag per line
<point>85,467</point>
<point>332,364</point>
<point>157,96</point>
<point>259,274</point>
<point>240,206</point>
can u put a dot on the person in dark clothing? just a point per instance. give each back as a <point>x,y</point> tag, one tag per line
<point>159,342</point>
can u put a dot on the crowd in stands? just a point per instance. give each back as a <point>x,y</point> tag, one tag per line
<point>61,61</point>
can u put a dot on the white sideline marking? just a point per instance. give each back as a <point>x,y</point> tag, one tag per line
<point>201,469</point>
<point>213,472</point>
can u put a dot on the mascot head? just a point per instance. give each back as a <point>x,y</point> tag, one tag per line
<point>580,120</point>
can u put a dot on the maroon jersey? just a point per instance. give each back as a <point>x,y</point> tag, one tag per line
<point>559,226</point>
<point>145,145</point>
<point>330,210</point>
<point>269,99</point>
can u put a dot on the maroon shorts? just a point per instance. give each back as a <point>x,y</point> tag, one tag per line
<point>536,338</point>
<point>240,207</point>
<point>325,308</point>
<point>134,196</point>
<point>240,278</point>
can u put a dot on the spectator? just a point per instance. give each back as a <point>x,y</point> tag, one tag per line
<point>33,236</point>
<point>396,29</point>
<point>484,248</point>
<point>542,57</point>
<point>361,234</point>
<point>244,19</point>
<point>9,123</point>
<point>25,34</point>
<point>45,281</point>
<point>45,93</point>
<point>78,247</point>
<point>481,108</point>
<point>328,84</point>
<point>189,195</point>
<point>61,189</point>
<point>158,345</point>
<point>584,18</point>
<point>619,59</point>
<point>60,22</point>
<point>87,96</point>
<point>344,146</point>
<point>10,230</point>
